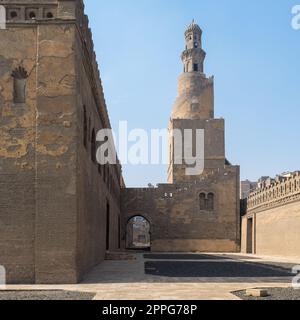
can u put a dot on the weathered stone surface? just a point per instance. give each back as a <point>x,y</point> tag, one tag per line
<point>60,210</point>
<point>53,198</point>
<point>272,222</point>
<point>178,224</point>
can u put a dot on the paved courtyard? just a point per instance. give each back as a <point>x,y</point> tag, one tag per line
<point>180,276</point>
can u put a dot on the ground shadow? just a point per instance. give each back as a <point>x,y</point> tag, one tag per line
<point>159,268</point>
<point>189,256</point>
<point>229,269</point>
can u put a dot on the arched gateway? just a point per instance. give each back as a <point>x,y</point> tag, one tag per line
<point>138,234</point>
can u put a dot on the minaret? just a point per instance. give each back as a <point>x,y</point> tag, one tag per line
<point>193,57</point>
<point>194,109</point>
<point>195,92</point>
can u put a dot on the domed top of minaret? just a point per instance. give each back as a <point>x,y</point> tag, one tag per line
<point>193,28</point>
<point>195,98</point>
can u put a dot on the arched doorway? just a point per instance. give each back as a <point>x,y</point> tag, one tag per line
<point>138,236</point>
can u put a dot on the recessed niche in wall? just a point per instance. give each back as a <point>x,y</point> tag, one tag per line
<point>20,76</point>
<point>49,14</point>
<point>13,14</point>
<point>31,13</point>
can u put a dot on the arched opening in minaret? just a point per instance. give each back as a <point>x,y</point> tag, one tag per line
<point>138,235</point>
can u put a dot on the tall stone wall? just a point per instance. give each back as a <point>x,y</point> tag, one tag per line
<point>98,186</point>
<point>17,156</point>
<point>55,201</point>
<point>55,155</point>
<point>271,225</point>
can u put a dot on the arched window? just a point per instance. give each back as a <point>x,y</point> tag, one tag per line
<point>20,75</point>
<point>210,202</point>
<point>207,202</point>
<point>93,146</point>
<point>202,199</point>
<point>85,127</point>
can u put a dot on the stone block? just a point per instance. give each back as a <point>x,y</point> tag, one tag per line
<point>258,293</point>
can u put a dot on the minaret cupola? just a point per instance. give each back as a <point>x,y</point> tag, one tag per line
<point>193,56</point>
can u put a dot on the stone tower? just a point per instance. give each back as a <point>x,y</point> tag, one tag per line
<point>195,91</point>
<point>194,108</point>
<point>199,212</point>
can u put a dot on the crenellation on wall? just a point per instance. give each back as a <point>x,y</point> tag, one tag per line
<point>282,190</point>
<point>273,208</point>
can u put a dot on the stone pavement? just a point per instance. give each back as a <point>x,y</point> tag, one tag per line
<point>126,280</point>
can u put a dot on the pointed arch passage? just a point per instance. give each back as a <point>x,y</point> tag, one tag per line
<point>138,234</point>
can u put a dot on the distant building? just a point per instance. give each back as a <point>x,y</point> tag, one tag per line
<point>264,182</point>
<point>246,187</point>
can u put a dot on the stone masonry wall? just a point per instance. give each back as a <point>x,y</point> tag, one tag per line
<point>214,146</point>
<point>275,215</point>
<point>17,157</point>
<point>178,224</point>
<point>54,198</point>
<point>97,186</point>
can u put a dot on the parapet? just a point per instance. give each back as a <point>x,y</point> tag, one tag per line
<point>284,188</point>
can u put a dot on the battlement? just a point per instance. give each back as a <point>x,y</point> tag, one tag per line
<point>275,192</point>
<point>40,10</point>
